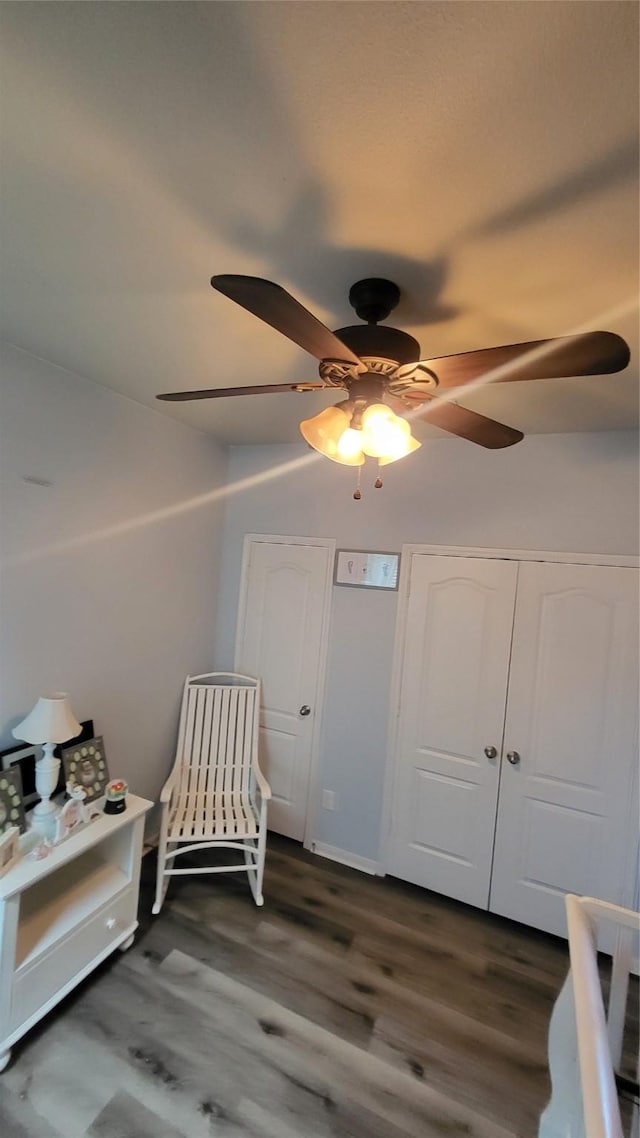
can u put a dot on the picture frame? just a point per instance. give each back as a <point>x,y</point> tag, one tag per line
<point>11,802</point>
<point>85,765</point>
<point>367,569</point>
<point>9,849</point>
<point>24,757</point>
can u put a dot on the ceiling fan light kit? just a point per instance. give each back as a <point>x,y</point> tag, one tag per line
<point>355,429</point>
<point>375,364</point>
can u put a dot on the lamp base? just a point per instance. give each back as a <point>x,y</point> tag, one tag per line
<point>44,823</point>
<point>45,814</point>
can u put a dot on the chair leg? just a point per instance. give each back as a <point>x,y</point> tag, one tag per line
<point>250,860</point>
<point>256,874</point>
<point>162,881</point>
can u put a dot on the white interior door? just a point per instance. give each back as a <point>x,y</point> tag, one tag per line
<point>453,687</point>
<point>282,636</point>
<point>567,818</point>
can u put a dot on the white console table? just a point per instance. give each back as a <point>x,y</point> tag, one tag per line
<point>61,916</point>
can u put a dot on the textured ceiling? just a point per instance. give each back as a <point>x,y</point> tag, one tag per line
<point>482,155</point>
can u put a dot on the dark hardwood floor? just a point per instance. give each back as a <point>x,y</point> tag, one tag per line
<point>347,1007</point>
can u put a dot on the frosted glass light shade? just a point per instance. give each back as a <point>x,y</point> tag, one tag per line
<point>410,445</point>
<point>330,433</point>
<point>51,721</point>
<point>382,434</point>
<point>386,436</point>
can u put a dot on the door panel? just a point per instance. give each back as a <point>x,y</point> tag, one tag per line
<point>454,677</point>
<point>565,818</point>
<point>282,640</point>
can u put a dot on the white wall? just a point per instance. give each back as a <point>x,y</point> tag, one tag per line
<point>110,574</point>
<point>573,493</point>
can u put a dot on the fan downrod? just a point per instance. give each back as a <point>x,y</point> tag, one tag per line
<point>374,298</point>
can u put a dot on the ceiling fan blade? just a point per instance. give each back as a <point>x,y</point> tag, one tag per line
<point>467,424</point>
<point>222,392</point>
<point>276,307</point>
<point>593,353</point>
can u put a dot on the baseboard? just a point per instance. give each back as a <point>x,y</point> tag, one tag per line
<point>150,842</point>
<point>365,864</point>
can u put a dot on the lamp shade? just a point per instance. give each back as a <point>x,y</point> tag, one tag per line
<point>410,445</point>
<point>331,434</point>
<point>51,721</point>
<point>386,436</point>
<point>346,433</point>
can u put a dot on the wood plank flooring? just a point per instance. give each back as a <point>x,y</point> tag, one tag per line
<point>348,1007</point>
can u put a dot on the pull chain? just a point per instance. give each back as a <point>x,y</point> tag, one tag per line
<point>356,493</point>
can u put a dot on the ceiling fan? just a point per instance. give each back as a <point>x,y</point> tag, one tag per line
<point>382,371</point>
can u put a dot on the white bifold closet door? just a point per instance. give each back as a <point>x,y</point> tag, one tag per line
<point>568,807</point>
<point>515,774</point>
<point>451,717</point>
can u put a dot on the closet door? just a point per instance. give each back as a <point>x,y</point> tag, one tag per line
<point>453,687</point>
<point>282,639</point>
<point>567,817</point>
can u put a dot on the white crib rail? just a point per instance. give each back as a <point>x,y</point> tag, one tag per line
<point>585,1045</point>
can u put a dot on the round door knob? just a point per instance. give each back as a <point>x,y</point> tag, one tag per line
<point>513,757</point>
<point>490,752</point>
<point>305,710</point>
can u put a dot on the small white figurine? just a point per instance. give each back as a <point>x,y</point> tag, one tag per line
<point>78,794</point>
<point>74,813</point>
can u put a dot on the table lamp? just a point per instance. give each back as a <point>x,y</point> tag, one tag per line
<point>51,721</point>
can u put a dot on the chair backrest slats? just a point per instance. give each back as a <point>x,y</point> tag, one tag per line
<point>218,735</point>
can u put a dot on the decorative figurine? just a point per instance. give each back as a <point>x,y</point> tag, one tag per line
<point>79,795</point>
<point>115,796</point>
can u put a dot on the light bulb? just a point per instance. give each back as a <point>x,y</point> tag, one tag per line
<point>350,444</point>
<point>385,435</point>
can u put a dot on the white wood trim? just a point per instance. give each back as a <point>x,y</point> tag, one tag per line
<point>394,699</point>
<point>328,543</point>
<point>365,864</point>
<point>407,551</point>
<point>621,559</point>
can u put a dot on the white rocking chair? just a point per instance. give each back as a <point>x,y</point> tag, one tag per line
<point>211,796</point>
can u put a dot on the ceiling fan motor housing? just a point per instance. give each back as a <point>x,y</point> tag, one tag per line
<point>373,300</point>
<point>380,342</point>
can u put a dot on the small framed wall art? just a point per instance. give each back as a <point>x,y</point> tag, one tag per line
<point>363,569</point>
<point>85,765</point>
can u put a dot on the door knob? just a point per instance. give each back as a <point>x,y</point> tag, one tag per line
<point>305,710</point>
<point>490,752</point>
<point>513,757</point>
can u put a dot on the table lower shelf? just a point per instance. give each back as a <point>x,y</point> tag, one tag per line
<point>63,902</point>
<point>36,985</point>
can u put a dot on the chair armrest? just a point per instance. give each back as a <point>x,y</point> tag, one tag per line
<point>263,785</point>
<point>168,788</point>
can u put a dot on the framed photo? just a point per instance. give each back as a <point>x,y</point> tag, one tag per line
<point>361,569</point>
<point>9,850</point>
<point>24,757</point>
<point>23,760</point>
<point>11,804</point>
<point>85,765</point>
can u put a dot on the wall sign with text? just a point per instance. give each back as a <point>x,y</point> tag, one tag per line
<point>364,570</point>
